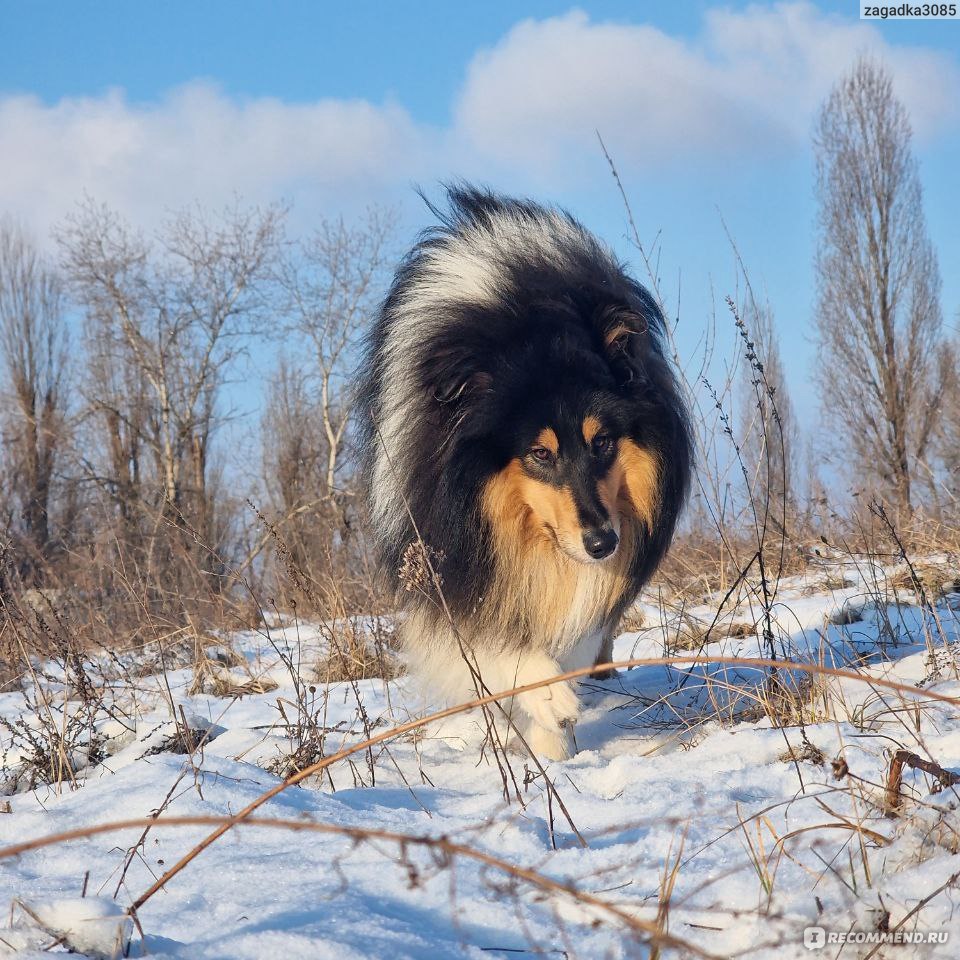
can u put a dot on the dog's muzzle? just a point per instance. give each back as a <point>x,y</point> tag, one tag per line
<point>600,542</point>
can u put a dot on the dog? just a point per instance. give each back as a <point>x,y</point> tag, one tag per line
<point>526,449</point>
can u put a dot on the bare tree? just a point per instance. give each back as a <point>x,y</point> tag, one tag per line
<point>878,316</point>
<point>769,428</point>
<point>333,282</point>
<point>166,321</point>
<point>34,354</point>
<point>295,461</point>
<point>944,471</point>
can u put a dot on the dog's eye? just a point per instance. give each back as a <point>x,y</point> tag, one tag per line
<point>602,444</point>
<point>541,454</point>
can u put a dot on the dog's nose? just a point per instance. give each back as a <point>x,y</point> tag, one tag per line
<point>600,542</point>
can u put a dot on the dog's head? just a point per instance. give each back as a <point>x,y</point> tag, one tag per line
<point>575,478</point>
<point>575,462</point>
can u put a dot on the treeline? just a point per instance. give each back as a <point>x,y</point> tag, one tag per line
<point>123,486</point>
<point>122,355</point>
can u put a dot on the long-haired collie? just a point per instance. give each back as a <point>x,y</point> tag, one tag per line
<point>525,440</point>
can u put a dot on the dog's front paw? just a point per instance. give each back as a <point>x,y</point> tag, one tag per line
<point>604,674</point>
<point>553,743</point>
<point>552,706</point>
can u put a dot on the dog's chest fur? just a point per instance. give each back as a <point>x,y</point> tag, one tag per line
<point>544,599</point>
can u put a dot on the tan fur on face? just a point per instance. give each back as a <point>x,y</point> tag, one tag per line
<point>538,591</point>
<point>631,486</point>
<point>639,480</point>
<point>550,511</point>
<point>611,489</point>
<point>547,438</point>
<point>591,427</point>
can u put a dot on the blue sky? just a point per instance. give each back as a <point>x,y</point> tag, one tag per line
<point>707,109</point>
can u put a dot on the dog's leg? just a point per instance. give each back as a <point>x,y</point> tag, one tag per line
<point>550,711</point>
<point>605,655</point>
<point>552,744</point>
<point>545,715</point>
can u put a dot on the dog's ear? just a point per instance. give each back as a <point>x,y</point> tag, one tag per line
<point>458,402</point>
<point>462,388</point>
<point>452,376</point>
<point>624,334</point>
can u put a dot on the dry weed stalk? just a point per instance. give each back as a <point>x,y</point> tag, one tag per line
<point>901,758</point>
<point>446,847</point>
<point>668,881</point>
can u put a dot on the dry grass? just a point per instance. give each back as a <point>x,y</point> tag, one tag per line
<point>211,676</point>
<point>827,583</point>
<point>632,621</point>
<point>692,633</point>
<point>358,649</point>
<point>937,579</point>
<point>805,753</point>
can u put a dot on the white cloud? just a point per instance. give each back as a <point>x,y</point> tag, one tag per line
<point>745,89</point>
<point>197,144</point>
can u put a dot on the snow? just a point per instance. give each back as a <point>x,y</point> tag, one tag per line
<point>677,766</point>
<point>94,926</point>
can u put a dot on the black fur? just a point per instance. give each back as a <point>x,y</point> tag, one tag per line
<point>489,372</point>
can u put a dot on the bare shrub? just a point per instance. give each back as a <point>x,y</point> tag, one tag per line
<point>331,283</point>
<point>167,321</point>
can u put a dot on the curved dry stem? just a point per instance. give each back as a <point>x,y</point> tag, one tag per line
<point>446,846</point>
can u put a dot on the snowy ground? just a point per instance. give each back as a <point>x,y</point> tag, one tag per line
<point>677,768</point>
